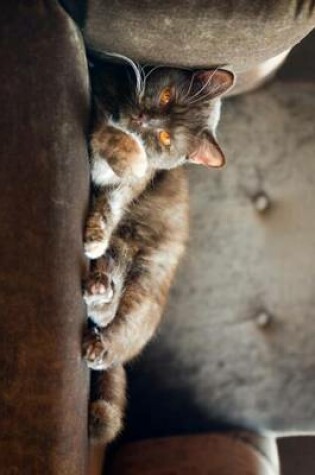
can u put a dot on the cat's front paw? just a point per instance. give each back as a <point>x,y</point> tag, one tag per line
<point>135,156</point>
<point>123,151</point>
<point>95,237</point>
<point>100,296</point>
<point>95,350</point>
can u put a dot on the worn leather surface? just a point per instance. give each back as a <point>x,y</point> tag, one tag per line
<point>198,33</point>
<point>208,454</point>
<point>44,103</point>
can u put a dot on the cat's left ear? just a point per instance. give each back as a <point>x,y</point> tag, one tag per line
<point>215,82</point>
<point>207,152</point>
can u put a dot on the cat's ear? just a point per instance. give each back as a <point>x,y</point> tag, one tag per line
<point>215,82</point>
<point>207,152</point>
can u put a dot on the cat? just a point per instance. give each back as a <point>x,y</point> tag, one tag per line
<point>138,225</point>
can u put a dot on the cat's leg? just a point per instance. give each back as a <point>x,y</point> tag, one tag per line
<point>104,285</point>
<point>106,412</point>
<point>138,314</point>
<point>100,224</point>
<point>109,207</point>
<point>154,232</point>
<point>118,169</point>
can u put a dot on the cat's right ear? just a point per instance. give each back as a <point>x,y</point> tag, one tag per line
<point>214,82</point>
<point>207,152</point>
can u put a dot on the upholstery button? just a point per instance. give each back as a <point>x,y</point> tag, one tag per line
<point>261,202</point>
<point>263,319</point>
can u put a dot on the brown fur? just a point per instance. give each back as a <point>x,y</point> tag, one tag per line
<point>137,227</point>
<point>118,148</point>
<point>146,247</point>
<point>109,406</point>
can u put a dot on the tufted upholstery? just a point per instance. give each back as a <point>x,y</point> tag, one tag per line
<point>237,344</point>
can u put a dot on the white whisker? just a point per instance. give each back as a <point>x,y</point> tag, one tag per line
<point>197,96</point>
<point>201,98</point>
<point>190,86</point>
<point>135,67</point>
<point>141,93</point>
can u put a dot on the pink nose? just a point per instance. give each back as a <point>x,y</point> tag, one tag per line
<point>140,119</point>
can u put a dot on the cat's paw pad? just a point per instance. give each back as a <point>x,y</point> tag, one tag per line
<point>100,292</point>
<point>98,289</point>
<point>95,238</point>
<point>95,350</point>
<point>105,421</point>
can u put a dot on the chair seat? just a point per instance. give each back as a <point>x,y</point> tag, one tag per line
<point>237,344</point>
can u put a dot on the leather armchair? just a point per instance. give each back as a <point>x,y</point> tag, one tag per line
<point>44,186</point>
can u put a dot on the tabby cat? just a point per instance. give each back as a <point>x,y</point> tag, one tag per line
<point>137,227</point>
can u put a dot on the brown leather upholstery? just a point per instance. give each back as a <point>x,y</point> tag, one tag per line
<point>241,33</point>
<point>44,103</point>
<point>212,454</point>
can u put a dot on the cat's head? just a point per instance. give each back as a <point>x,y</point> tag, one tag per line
<point>176,113</point>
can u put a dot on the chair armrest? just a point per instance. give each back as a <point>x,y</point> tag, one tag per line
<point>241,33</point>
<point>44,99</point>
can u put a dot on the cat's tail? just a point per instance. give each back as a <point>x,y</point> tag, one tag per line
<point>106,413</point>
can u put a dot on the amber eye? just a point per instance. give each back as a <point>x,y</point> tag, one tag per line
<point>165,96</point>
<point>165,138</point>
